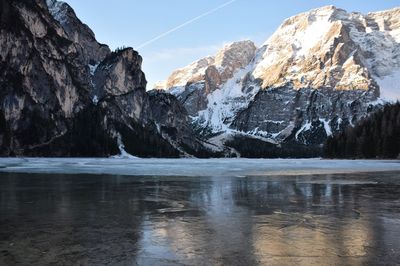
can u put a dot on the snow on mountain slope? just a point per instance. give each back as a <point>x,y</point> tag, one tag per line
<point>191,73</point>
<point>319,72</point>
<point>390,85</point>
<point>195,83</point>
<point>227,61</point>
<point>389,21</point>
<point>224,103</point>
<point>328,47</point>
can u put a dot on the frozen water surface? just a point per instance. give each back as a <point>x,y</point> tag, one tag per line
<point>199,212</point>
<point>193,167</point>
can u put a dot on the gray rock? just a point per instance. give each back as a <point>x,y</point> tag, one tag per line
<point>53,104</point>
<point>174,124</point>
<point>78,32</point>
<point>320,72</point>
<point>306,116</point>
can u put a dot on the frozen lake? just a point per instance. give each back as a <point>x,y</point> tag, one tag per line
<point>194,167</point>
<point>199,212</point>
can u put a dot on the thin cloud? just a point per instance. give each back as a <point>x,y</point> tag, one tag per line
<point>185,24</point>
<point>182,52</point>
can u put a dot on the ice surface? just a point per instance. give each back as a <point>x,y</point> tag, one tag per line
<point>194,167</point>
<point>344,219</point>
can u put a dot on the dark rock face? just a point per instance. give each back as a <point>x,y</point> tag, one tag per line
<point>64,94</point>
<point>305,116</point>
<point>78,32</point>
<point>174,124</point>
<point>120,74</point>
<point>194,97</point>
<point>120,87</point>
<point>43,82</point>
<point>320,72</point>
<point>52,103</point>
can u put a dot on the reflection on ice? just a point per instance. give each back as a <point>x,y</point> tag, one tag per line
<point>336,219</point>
<point>248,222</point>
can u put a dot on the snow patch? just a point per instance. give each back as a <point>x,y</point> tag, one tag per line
<point>93,68</point>
<point>327,127</point>
<point>196,69</point>
<point>290,43</point>
<point>58,10</point>
<point>95,100</point>
<point>378,101</point>
<point>390,86</point>
<point>177,90</point>
<point>122,153</point>
<point>305,127</point>
<point>339,123</point>
<point>224,103</point>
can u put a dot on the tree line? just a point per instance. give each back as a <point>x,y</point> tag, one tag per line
<point>377,136</point>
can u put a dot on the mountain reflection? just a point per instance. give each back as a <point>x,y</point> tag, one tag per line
<point>334,219</point>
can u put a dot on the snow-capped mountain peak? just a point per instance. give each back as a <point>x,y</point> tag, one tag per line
<point>229,59</point>
<point>328,47</point>
<point>319,72</point>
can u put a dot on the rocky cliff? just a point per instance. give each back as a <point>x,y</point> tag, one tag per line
<point>320,72</point>
<point>64,94</point>
<point>78,32</point>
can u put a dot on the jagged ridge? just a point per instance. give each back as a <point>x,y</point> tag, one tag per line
<point>64,94</point>
<point>321,71</point>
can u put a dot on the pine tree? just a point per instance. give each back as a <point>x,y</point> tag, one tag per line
<point>377,136</point>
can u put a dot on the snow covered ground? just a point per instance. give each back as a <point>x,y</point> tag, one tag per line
<point>194,167</point>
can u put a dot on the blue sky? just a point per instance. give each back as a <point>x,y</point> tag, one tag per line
<point>133,22</point>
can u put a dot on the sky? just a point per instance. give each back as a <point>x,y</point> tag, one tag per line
<point>170,34</point>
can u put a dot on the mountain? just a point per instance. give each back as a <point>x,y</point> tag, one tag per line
<point>319,73</point>
<point>64,94</point>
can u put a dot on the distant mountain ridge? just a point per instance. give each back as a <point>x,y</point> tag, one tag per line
<point>320,72</point>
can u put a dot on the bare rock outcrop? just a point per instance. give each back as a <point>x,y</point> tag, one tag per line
<point>320,72</point>
<point>64,94</point>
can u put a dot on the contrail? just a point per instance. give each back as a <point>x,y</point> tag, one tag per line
<point>185,24</point>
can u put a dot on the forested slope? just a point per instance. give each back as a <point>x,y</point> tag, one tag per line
<point>377,136</point>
